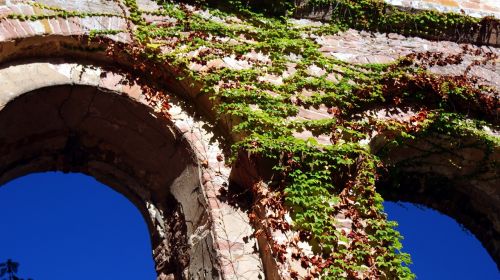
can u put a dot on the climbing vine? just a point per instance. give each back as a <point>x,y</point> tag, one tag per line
<point>380,16</point>
<point>375,15</point>
<point>261,71</point>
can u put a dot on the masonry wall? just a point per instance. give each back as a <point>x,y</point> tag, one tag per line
<point>227,228</point>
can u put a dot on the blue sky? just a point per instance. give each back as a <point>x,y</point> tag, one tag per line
<point>69,226</point>
<point>439,246</point>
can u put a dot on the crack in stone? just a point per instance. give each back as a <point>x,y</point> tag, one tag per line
<point>61,106</point>
<point>87,111</point>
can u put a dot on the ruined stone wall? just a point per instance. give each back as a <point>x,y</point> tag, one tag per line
<point>234,134</point>
<point>476,8</point>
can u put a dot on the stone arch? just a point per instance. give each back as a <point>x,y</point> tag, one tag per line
<point>34,33</point>
<point>457,176</point>
<point>57,115</point>
<point>80,128</point>
<point>71,39</point>
<point>226,248</point>
<point>109,52</point>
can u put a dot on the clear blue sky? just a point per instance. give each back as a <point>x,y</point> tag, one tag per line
<point>439,246</point>
<point>68,226</point>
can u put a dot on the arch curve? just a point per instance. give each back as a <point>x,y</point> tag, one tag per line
<point>457,176</point>
<point>83,118</point>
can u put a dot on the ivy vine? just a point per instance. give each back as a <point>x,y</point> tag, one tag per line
<point>315,185</point>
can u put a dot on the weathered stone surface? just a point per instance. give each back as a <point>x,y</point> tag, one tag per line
<point>475,8</point>
<point>81,123</point>
<point>362,48</point>
<point>454,177</point>
<point>81,116</point>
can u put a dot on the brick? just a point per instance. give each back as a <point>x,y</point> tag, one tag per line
<point>75,26</point>
<point>55,26</point>
<point>64,26</point>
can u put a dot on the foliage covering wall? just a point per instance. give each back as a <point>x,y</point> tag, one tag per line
<point>322,195</point>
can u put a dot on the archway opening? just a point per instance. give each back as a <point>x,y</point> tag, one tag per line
<point>440,247</point>
<point>455,175</point>
<point>70,226</point>
<point>81,118</point>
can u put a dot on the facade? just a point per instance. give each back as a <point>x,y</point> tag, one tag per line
<point>258,147</point>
